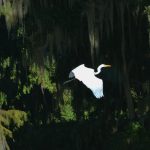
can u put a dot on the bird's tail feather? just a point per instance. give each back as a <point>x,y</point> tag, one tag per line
<point>98,93</point>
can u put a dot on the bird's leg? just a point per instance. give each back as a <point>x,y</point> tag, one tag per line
<point>69,81</point>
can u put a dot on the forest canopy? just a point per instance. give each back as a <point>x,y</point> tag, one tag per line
<point>41,42</point>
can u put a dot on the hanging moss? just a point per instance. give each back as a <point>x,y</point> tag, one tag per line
<point>13,11</point>
<point>147,11</point>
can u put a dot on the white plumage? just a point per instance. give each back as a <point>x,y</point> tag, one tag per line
<point>87,76</point>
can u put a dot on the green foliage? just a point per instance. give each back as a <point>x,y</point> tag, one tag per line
<point>67,113</point>
<point>86,115</point>
<point>3,99</point>
<point>10,121</point>
<point>66,109</point>
<point>13,73</point>
<point>20,32</point>
<point>42,76</point>
<point>146,87</point>
<point>13,119</point>
<point>147,11</point>
<point>135,127</point>
<point>5,66</point>
<point>5,63</point>
<point>136,96</point>
<point>39,54</point>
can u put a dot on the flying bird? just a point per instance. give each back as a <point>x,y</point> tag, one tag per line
<point>87,77</point>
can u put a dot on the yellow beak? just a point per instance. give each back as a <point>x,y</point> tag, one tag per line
<point>107,66</point>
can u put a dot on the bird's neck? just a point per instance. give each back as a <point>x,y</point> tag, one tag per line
<point>98,70</point>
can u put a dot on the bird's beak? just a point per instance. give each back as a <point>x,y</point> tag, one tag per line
<point>107,65</point>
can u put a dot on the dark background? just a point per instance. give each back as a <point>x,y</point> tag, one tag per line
<point>41,42</point>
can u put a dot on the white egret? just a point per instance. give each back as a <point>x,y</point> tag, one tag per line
<point>87,76</point>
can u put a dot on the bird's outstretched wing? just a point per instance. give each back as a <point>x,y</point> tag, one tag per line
<point>98,92</point>
<point>95,85</point>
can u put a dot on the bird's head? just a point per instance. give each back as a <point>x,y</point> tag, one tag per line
<point>104,65</point>
<point>100,67</point>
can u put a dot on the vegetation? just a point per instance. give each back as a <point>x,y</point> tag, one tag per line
<point>41,42</point>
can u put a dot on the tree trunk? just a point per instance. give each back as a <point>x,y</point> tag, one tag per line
<point>126,84</point>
